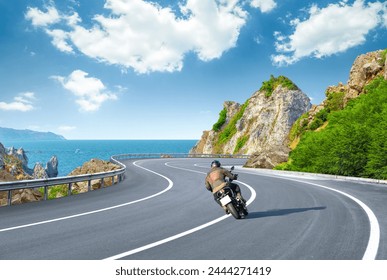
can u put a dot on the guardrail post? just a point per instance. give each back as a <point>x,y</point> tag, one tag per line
<point>69,190</point>
<point>9,200</point>
<point>89,185</point>
<point>113,180</point>
<point>102,183</point>
<point>45,192</point>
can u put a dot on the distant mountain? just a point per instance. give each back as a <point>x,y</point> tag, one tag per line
<point>10,134</point>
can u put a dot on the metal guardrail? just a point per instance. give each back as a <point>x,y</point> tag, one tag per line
<point>68,180</point>
<point>176,155</point>
<point>120,173</point>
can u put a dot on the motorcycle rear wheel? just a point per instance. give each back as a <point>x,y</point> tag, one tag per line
<point>233,211</point>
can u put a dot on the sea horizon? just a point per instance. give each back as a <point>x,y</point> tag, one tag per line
<point>73,153</point>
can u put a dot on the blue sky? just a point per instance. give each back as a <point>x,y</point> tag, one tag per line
<point>134,69</point>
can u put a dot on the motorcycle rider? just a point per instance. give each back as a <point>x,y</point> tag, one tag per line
<point>216,178</point>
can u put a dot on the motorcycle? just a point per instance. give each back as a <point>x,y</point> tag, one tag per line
<point>228,199</point>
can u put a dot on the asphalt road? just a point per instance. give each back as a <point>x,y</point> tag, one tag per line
<point>163,211</point>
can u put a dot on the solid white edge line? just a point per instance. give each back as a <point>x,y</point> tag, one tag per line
<point>182,234</point>
<point>374,239</point>
<point>170,185</point>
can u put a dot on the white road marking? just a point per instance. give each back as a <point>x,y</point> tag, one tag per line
<point>185,233</point>
<point>170,185</point>
<point>374,239</point>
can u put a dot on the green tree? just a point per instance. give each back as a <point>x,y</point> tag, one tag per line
<point>354,142</point>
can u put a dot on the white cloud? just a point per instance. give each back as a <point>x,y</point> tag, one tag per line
<point>26,97</point>
<point>23,102</point>
<point>59,38</point>
<point>42,19</point>
<point>90,92</point>
<point>147,37</point>
<point>264,5</point>
<point>329,30</point>
<point>15,106</point>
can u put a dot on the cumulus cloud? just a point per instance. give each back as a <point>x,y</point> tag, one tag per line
<point>22,102</point>
<point>59,40</point>
<point>329,30</point>
<point>264,5</point>
<point>90,92</point>
<point>146,37</point>
<point>40,18</point>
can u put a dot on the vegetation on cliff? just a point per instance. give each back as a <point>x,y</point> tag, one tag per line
<point>261,125</point>
<point>354,141</point>
<point>230,129</point>
<point>334,102</point>
<point>269,86</point>
<point>221,121</point>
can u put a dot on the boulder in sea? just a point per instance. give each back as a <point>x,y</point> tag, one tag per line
<point>52,167</point>
<point>39,172</point>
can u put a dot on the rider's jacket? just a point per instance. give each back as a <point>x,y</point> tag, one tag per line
<point>216,177</point>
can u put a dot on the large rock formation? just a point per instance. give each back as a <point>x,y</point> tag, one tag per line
<point>91,167</point>
<point>52,167</point>
<point>259,127</point>
<point>363,71</point>
<point>365,68</point>
<point>37,172</point>
<point>14,166</point>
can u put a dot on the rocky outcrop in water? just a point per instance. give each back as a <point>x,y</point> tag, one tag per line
<point>52,167</point>
<point>14,166</point>
<point>38,171</point>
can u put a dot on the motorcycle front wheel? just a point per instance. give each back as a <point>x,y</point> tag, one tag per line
<point>233,211</point>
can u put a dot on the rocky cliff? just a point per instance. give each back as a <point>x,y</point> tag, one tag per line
<point>260,126</point>
<point>346,134</point>
<point>365,68</point>
<point>363,71</point>
<point>14,166</point>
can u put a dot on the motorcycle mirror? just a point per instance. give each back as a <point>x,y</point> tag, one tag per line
<point>232,167</point>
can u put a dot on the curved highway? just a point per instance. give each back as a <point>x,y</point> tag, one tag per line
<point>163,211</point>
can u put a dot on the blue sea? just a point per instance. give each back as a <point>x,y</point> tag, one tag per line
<point>73,153</point>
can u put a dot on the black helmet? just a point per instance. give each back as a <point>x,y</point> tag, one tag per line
<point>215,163</point>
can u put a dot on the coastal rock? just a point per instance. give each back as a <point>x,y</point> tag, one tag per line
<point>52,167</point>
<point>2,154</point>
<point>21,155</point>
<point>39,172</point>
<point>14,166</point>
<point>91,167</point>
<point>3,151</point>
<point>26,195</point>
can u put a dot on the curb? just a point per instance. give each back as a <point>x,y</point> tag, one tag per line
<point>344,178</point>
